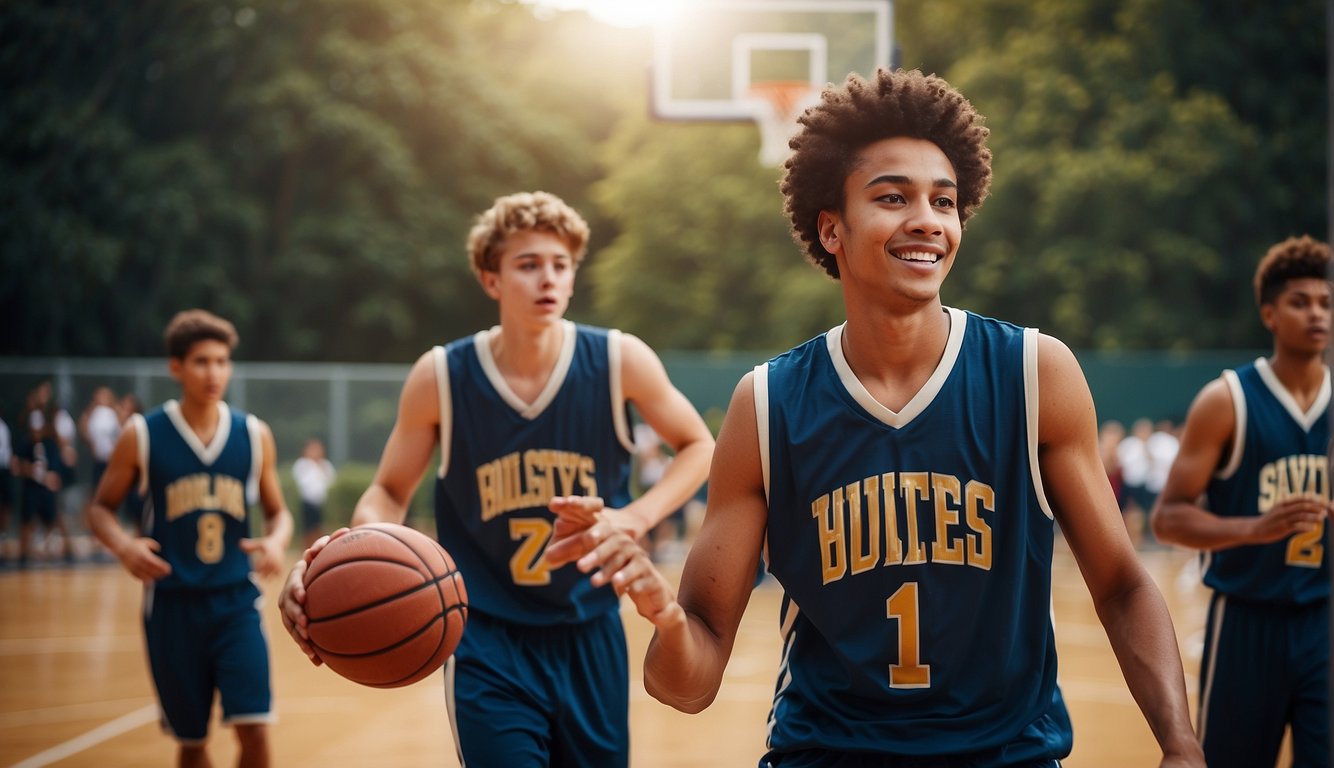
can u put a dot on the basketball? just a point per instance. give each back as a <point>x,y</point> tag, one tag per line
<point>386,605</point>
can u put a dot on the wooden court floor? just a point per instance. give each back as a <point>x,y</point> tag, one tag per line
<point>74,690</point>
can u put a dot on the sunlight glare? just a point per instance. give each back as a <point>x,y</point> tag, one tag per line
<point>622,13</point>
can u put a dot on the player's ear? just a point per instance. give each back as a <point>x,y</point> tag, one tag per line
<point>827,225</point>
<point>1267,316</point>
<point>490,283</point>
<point>174,367</point>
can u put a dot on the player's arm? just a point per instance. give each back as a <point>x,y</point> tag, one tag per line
<point>689,651</point>
<point>137,554</point>
<point>1128,603</point>
<point>406,454</point>
<point>645,383</point>
<point>1206,444</point>
<point>408,450</point>
<point>269,549</point>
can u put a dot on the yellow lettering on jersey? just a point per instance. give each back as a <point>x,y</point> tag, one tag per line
<point>893,546</point>
<point>828,513</point>
<point>1302,476</point>
<point>977,497</point>
<point>531,478</point>
<point>914,487</point>
<point>865,543</point>
<point>222,493</point>
<point>853,523</point>
<point>945,493</point>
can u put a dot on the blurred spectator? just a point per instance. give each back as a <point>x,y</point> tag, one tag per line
<point>100,426</point>
<point>667,539</point>
<point>40,460</point>
<point>314,475</point>
<point>1133,456</point>
<point>1162,448</point>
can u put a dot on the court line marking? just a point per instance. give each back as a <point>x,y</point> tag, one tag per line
<point>101,733</point>
<point>64,713</point>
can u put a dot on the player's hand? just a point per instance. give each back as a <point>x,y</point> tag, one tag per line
<point>267,555</point>
<point>575,516</point>
<point>139,556</point>
<point>292,600</point>
<point>618,560</point>
<point>1288,517</point>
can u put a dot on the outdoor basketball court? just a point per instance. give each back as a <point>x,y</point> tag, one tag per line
<point>76,688</point>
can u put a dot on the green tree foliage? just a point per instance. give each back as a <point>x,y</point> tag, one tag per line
<point>703,259</point>
<point>310,168</point>
<point>1147,153</point>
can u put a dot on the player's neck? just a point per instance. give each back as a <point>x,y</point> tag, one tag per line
<point>894,354</point>
<point>527,352</point>
<point>201,415</point>
<point>1301,374</point>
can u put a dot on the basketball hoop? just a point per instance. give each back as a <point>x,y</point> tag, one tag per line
<point>776,106</point>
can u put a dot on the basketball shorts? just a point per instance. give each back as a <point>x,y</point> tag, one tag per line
<point>1264,667</point>
<point>535,696</point>
<point>815,758</point>
<point>311,516</point>
<point>200,641</point>
<point>6,487</point>
<point>39,503</point>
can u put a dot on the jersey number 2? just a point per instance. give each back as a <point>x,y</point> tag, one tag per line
<point>1305,549</point>
<point>909,672</point>
<point>527,567</point>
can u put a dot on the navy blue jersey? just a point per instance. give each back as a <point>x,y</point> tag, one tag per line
<point>914,549</point>
<point>1277,453</point>
<point>199,496</point>
<point>502,461</point>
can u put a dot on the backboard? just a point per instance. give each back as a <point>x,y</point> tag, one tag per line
<point>764,60</point>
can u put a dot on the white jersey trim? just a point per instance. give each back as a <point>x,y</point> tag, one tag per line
<point>924,396</point>
<point>1313,414</point>
<point>1239,430</point>
<point>617,391</point>
<point>446,399</point>
<point>256,458</point>
<point>530,411</point>
<point>1206,694</point>
<point>140,427</point>
<point>1031,415</point>
<point>760,384</point>
<point>206,453</point>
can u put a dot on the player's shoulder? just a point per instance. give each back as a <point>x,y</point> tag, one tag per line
<point>1215,399</point>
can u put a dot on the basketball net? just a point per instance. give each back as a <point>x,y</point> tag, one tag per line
<point>777,105</point>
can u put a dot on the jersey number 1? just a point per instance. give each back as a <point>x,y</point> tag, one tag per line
<point>909,672</point>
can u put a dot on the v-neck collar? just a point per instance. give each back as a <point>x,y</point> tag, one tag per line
<point>206,453</point>
<point>1289,403</point>
<point>530,411</point>
<point>924,396</point>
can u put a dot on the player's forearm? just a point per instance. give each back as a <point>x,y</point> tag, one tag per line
<point>278,527</point>
<point>1189,526</point>
<point>377,505</point>
<point>679,483</point>
<point>684,665</point>
<point>103,525</point>
<point>1139,628</point>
